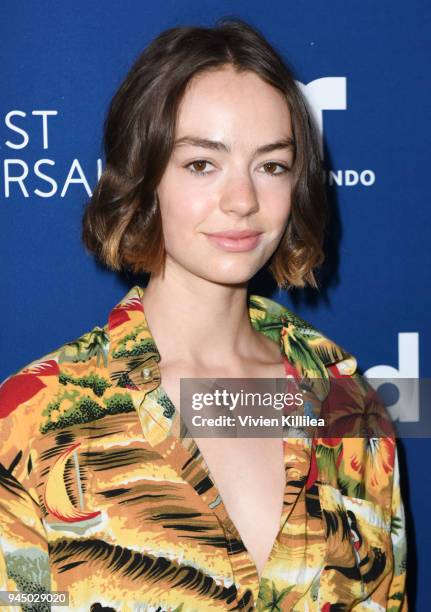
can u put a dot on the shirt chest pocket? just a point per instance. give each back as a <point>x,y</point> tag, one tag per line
<point>359,547</point>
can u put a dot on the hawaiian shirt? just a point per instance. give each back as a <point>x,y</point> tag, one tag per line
<point>102,498</point>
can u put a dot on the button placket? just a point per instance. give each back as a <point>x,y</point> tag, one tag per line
<point>196,473</point>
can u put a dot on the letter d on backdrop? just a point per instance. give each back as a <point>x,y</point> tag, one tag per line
<point>406,409</point>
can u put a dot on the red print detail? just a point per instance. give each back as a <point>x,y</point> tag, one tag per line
<point>336,372</point>
<point>290,368</point>
<point>22,387</point>
<point>388,465</point>
<point>339,458</point>
<point>119,314</point>
<point>44,368</point>
<point>356,465</point>
<point>312,474</point>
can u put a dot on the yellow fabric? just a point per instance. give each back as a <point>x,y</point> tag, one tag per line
<point>100,497</point>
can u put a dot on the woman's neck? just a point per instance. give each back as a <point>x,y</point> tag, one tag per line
<point>199,321</point>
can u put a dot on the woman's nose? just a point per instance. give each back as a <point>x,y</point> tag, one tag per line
<point>239,195</point>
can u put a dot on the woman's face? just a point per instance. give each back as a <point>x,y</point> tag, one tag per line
<point>229,172</point>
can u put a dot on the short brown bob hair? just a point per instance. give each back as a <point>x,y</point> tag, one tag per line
<point>122,224</point>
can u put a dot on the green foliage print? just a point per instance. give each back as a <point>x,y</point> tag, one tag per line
<point>92,344</point>
<point>73,408</point>
<point>270,598</point>
<point>92,381</point>
<point>132,346</point>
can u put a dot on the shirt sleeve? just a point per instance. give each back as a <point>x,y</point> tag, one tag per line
<point>24,558</point>
<point>397,596</point>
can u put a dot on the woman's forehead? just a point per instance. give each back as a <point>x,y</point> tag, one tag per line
<point>228,105</point>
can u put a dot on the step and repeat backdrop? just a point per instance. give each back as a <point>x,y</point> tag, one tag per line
<point>363,68</point>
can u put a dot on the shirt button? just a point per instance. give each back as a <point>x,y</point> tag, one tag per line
<point>146,373</point>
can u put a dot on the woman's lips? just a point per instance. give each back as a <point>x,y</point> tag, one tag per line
<point>236,241</point>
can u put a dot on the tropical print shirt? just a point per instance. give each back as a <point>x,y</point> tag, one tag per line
<point>101,496</point>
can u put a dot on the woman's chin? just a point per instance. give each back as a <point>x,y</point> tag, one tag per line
<point>223,273</point>
<point>233,277</point>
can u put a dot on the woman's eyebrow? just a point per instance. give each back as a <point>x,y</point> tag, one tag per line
<point>284,143</point>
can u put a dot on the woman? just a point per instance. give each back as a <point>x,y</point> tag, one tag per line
<point>212,173</point>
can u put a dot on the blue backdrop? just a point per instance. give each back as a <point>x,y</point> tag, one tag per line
<point>364,65</point>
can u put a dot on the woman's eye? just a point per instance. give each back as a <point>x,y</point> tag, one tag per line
<point>272,166</point>
<point>198,166</point>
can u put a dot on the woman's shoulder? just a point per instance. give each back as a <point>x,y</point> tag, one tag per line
<point>304,344</point>
<point>39,391</point>
<point>359,472</point>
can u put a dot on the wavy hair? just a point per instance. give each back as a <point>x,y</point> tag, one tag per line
<point>122,225</point>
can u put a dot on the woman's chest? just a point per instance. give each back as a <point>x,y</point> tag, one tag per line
<point>249,474</point>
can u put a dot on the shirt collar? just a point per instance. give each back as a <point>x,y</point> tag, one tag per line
<point>133,356</point>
